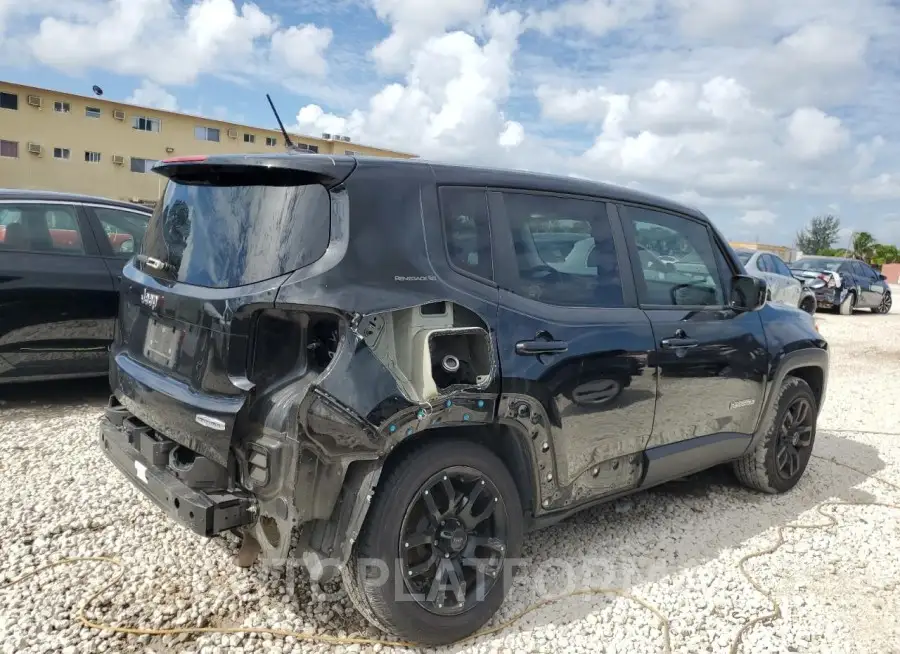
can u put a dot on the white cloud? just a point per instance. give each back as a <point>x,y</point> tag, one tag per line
<point>812,134</point>
<point>758,217</point>
<point>157,40</point>
<point>449,104</point>
<point>302,49</point>
<point>150,94</point>
<point>414,22</point>
<point>598,17</point>
<point>885,186</point>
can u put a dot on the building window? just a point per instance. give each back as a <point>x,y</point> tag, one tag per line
<point>249,138</point>
<point>61,153</point>
<point>351,152</point>
<point>62,107</point>
<point>92,112</point>
<point>206,134</point>
<point>9,149</point>
<point>142,165</point>
<point>9,101</point>
<point>145,124</point>
<point>271,140</point>
<point>92,157</point>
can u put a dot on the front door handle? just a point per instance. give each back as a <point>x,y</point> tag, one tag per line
<point>531,348</point>
<point>672,343</point>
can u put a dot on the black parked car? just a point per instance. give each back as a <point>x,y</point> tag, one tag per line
<point>310,351</point>
<point>61,259</point>
<point>844,284</point>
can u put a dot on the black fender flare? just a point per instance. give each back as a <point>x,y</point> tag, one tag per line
<point>809,357</point>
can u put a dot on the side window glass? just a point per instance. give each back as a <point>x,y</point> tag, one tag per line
<point>467,230</point>
<point>781,267</point>
<point>858,270</point>
<point>564,250</point>
<point>124,230</point>
<point>766,263</point>
<point>693,280</point>
<point>40,228</point>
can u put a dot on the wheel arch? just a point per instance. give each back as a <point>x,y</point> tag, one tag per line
<point>809,364</point>
<point>329,543</point>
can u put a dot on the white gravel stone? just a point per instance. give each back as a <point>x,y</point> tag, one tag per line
<point>676,547</point>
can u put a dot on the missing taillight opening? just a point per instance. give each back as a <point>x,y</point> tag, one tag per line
<point>285,342</point>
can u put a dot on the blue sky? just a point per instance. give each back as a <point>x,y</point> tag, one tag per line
<point>759,112</point>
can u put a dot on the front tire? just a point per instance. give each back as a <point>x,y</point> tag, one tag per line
<point>780,459</point>
<point>441,512</point>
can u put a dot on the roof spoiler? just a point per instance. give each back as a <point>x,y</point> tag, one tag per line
<point>249,170</point>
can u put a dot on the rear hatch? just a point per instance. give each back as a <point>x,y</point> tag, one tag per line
<point>817,273</point>
<point>225,235</point>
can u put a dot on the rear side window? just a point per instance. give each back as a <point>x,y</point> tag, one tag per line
<point>123,229</point>
<point>40,228</point>
<point>564,250</point>
<point>223,236</point>
<point>467,230</point>
<point>781,267</point>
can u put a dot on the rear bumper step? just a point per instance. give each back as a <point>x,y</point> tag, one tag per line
<point>137,453</point>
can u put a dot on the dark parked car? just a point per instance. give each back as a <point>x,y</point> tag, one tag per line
<point>369,358</point>
<point>844,284</point>
<point>61,259</point>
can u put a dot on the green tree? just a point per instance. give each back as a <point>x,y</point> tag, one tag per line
<point>863,246</point>
<point>820,235</point>
<point>883,254</point>
<point>833,252</point>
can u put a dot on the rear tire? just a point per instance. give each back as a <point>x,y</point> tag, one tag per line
<point>846,307</point>
<point>809,305</point>
<point>778,462</point>
<point>413,503</point>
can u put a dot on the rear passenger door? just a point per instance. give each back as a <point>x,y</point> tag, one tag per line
<point>119,233</point>
<point>711,360</point>
<point>790,285</point>
<point>574,347</point>
<point>869,288</point>
<point>55,318</point>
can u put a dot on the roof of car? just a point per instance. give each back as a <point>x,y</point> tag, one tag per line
<point>10,194</point>
<point>822,256</point>
<point>444,173</point>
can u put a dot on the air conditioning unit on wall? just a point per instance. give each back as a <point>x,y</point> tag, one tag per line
<point>232,133</point>
<point>35,101</point>
<point>34,148</point>
<point>118,160</point>
<point>118,114</point>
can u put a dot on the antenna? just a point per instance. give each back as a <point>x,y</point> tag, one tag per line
<point>287,139</point>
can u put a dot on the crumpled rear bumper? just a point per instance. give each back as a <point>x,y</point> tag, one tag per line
<point>142,456</point>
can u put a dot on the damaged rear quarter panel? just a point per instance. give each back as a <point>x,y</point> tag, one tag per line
<point>386,261</point>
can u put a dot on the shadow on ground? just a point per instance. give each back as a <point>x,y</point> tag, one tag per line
<point>50,394</point>
<point>622,540</point>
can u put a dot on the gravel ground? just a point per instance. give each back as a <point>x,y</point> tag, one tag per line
<point>676,548</point>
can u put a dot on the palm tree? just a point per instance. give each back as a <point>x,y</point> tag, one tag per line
<point>863,246</point>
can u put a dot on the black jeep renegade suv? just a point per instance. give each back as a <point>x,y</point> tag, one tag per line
<point>392,370</point>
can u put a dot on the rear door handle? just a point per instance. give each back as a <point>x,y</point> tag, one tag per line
<point>541,347</point>
<point>672,343</point>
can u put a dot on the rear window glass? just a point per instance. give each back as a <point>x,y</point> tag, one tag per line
<point>817,264</point>
<point>230,235</point>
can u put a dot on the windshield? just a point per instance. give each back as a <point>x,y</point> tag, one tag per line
<point>225,236</point>
<point>744,257</point>
<point>817,264</point>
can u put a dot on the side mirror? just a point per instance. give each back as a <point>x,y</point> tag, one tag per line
<point>882,278</point>
<point>748,293</point>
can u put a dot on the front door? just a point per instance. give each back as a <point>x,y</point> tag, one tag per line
<point>712,361</point>
<point>574,347</point>
<point>55,292</point>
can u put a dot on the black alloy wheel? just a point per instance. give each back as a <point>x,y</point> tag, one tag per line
<point>453,541</point>
<point>794,435</point>
<point>434,558</point>
<point>885,305</point>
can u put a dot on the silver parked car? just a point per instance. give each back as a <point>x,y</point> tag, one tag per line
<point>783,286</point>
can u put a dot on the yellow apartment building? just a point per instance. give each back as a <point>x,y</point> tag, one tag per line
<point>58,141</point>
